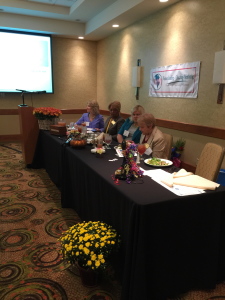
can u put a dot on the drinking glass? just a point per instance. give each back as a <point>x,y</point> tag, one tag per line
<point>141,150</point>
<point>62,122</point>
<point>108,140</point>
<point>99,143</point>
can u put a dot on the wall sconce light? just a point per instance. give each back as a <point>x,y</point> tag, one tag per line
<point>219,74</point>
<point>136,78</point>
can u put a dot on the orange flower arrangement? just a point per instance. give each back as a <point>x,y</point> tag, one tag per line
<point>43,113</point>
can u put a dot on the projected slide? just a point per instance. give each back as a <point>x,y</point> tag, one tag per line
<point>25,62</point>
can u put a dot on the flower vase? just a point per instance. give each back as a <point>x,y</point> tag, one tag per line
<point>138,159</point>
<point>89,278</point>
<point>45,124</point>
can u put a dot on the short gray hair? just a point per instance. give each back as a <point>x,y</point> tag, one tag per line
<point>148,119</point>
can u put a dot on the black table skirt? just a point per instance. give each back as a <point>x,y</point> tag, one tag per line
<point>170,244</point>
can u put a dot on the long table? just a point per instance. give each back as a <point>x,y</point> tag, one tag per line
<point>170,244</point>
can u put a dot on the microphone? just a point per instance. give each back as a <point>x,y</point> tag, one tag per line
<point>68,141</point>
<point>23,91</point>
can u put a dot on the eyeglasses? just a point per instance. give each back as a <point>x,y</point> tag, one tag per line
<point>136,115</point>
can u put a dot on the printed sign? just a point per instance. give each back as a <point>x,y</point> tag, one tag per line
<point>179,81</point>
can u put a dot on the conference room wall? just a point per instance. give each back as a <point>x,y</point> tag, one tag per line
<point>187,31</point>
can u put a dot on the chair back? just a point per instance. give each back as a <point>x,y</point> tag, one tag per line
<point>210,161</point>
<point>169,143</point>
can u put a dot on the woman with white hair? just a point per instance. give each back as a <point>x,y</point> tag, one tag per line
<point>152,136</point>
<point>92,116</point>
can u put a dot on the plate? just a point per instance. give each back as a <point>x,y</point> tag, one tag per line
<point>168,163</point>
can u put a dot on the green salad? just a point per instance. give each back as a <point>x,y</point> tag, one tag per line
<point>157,162</point>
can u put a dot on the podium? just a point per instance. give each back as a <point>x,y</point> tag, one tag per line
<point>29,130</point>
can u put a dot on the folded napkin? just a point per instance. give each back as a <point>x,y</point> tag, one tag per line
<point>168,180</point>
<point>181,173</point>
<point>185,178</point>
<point>196,182</point>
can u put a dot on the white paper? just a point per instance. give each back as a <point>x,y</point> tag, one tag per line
<point>179,190</point>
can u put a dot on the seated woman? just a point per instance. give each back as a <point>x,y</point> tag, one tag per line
<point>152,136</point>
<point>129,130</point>
<point>92,116</point>
<point>115,121</point>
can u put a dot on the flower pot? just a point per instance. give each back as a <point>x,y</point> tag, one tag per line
<point>89,277</point>
<point>45,124</point>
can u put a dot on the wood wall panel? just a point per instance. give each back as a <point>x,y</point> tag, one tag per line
<point>186,127</point>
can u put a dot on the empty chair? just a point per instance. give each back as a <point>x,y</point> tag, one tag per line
<point>210,161</point>
<point>169,142</point>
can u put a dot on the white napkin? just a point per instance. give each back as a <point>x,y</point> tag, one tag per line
<point>188,179</point>
<point>181,173</point>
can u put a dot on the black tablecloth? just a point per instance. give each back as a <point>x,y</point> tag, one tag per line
<point>170,244</point>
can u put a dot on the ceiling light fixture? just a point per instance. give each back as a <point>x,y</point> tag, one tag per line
<point>163,0</point>
<point>115,25</point>
<point>80,37</point>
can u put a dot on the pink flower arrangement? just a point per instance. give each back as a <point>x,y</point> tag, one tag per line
<point>43,113</point>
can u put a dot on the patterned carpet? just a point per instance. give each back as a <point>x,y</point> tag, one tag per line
<point>31,221</point>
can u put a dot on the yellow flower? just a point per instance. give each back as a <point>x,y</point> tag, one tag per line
<point>88,243</point>
<point>97,263</point>
<point>86,250</point>
<point>93,257</point>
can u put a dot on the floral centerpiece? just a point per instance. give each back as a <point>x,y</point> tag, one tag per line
<point>43,113</point>
<point>88,244</point>
<point>77,139</point>
<point>177,149</point>
<point>46,116</point>
<point>129,169</point>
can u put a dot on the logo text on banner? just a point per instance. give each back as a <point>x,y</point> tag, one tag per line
<point>179,81</point>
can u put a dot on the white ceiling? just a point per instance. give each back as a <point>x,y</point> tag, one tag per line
<point>92,19</point>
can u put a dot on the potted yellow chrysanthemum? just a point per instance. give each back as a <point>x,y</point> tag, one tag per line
<point>88,245</point>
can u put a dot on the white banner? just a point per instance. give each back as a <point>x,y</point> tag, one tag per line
<point>179,81</point>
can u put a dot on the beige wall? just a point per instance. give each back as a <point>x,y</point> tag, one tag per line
<point>188,31</point>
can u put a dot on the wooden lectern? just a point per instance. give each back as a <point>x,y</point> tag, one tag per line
<point>29,132</point>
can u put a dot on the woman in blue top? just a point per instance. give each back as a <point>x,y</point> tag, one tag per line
<point>93,117</point>
<point>130,130</point>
